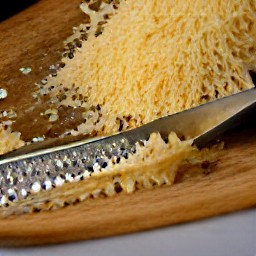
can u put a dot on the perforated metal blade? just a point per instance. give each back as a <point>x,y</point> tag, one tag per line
<point>43,165</point>
<point>201,123</point>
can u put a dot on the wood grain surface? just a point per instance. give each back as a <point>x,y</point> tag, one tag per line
<point>228,186</point>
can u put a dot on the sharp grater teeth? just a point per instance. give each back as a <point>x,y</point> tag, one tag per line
<point>20,178</point>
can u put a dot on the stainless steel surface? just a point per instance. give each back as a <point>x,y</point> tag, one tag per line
<point>44,167</point>
<point>201,123</point>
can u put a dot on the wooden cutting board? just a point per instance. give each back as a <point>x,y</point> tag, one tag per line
<point>34,38</point>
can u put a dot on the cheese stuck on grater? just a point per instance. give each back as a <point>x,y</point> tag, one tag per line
<point>142,60</point>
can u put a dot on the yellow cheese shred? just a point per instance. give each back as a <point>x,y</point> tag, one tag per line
<point>156,58</point>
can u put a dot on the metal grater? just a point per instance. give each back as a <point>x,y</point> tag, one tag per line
<point>44,165</point>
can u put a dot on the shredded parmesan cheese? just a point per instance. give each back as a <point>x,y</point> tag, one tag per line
<point>9,140</point>
<point>156,58</point>
<point>153,58</point>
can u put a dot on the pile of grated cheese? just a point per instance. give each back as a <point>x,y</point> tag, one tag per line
<point>156,58</point>
<point>153,58</point>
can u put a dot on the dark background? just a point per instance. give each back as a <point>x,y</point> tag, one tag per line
<point>11,7</point>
